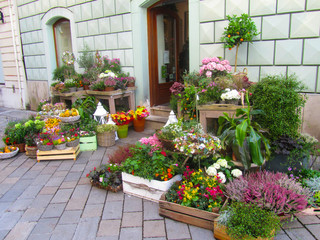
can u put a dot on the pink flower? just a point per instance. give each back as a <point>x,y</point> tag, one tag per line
<point>209,74</point>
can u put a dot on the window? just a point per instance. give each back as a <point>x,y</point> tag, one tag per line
<point>62,38</point>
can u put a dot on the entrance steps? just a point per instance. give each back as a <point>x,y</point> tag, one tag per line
<point>158,117</point>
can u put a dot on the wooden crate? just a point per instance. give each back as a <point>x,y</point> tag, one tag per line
<point>189,215</point>
<point>68,153</point>
<point>88,143</point>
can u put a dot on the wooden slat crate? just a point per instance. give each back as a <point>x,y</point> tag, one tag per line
<point>68,153</point>
<point>193,216</point>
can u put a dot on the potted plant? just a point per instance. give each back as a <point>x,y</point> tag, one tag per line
<point>244,136</point>
<point>240,29</point>
<point>32,128</point>
<point>71,115</point>
<point>71,85</point>
<point>109,84</point>
<point>246,221</point>
<point>107,177</point>
<point>59,141</point>
<point>44,141</point>
<point>275,192</point>
<point>8,152</point>
<point>198,197</point>
<point>106,134</point>
<point>31,145</point>
<point>149,167</point>
<point>97,85</point>
<point>231,96</point>
<point>140,116</point>
<point>15,135</point>
<point>73,137</point>
<point>130,81</point>
<point>122,120</point>
<point>168,134</point>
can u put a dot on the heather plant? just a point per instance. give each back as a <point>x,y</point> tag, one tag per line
<point>120,154</point>
<point>273,191</point>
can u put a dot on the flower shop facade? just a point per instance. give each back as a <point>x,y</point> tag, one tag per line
<point>157,40</point>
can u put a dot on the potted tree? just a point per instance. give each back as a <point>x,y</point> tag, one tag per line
<point>240,29</point>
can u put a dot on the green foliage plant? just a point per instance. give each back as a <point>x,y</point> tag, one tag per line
<point>86,59</point>
<point>278,96</point>
<point>244,135</point>
<point>86,106</point>
<point>248,221</point>
<point>105,128</point>
<point>63,72</point>
<point>240,29</point>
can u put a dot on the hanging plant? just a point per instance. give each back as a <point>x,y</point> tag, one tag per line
<point>240,29</point>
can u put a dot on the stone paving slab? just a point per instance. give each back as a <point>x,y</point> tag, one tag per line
<point>54,200</point>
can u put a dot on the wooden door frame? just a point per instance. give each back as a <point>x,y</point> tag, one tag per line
<point>153,50</point>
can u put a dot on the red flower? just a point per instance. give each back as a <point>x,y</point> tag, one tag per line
<point>76,135</point>
<point>164,153</point>
<point>87,175</point>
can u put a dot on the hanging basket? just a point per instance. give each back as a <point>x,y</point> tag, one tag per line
<point>238,77</point>
<point>106,139</point>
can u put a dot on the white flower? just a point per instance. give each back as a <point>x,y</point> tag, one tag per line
<point>236,173</point>
<point>181,149</point>
<point>101,179</point>
<point>222,177</point>
<point>222,162</point>
<point>233,94</point>
<point>216,165</point>
<point>211,171</point>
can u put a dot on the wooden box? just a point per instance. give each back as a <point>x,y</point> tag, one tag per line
<point>189,215</point>
<point>88,143</point>
<point>144,188</point>
<point>68,153</point>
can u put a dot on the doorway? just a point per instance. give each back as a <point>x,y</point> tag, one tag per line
<point>168,47</point>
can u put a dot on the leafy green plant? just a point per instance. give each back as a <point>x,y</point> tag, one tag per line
<point>246,221</point>
<point>188,102</point>
<point>86,106</point>
<point>88,125</point>
<point>244,135</point>
<point>278,96</point>
<point>104,128</point>
<point>240,29</point>
<point>61,73</point>
<point>86,59</point>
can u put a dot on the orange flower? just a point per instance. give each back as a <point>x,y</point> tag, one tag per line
<point>230,48</point>
<point>166,179</point>
<point>169,170</point>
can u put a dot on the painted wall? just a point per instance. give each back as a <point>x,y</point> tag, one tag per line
<point>13,84</point>
<point>102,25</point>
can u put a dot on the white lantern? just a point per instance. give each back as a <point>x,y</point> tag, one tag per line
<point>172,118</point>
<point>110,121</point>
<point>100,114</point>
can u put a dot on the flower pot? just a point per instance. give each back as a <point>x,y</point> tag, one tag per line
<point>86,87</point>
<point>45,147</point>
<point>138,124</point>
<point>61,146</point>
<point>109,89</point>
<point>123,131</point>
<point>21,147</point>
<point>79,89</point>
<point>106,139</point>
<point>73,89</point>
<point>144,188</point>
<point>31,151</point>
<point>130,84</point>
<point>73,143</point>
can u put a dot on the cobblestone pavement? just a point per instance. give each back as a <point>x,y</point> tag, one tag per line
<point>54,200</point>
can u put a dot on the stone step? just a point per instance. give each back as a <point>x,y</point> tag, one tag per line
<point>163,111</point>
<point>154,122</point>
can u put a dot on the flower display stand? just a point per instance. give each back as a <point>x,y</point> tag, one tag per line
<point>215,111</point>
<point>88,143</point>
<point>144,188</point>
<point>189,215</point>
<point>68,153</point>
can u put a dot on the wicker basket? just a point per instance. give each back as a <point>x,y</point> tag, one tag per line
<point>167,144</point>
<point>9,155</point>
<point>45,147</point>
<point>73,143</point>
<point>61,146</point>
<point>108,188</point>
<point>106,139</point>
<point>69,119</point>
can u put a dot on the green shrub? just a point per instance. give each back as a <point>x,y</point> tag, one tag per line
<point>247,221</point>
<point>103,128</point>
<point>278,96</point>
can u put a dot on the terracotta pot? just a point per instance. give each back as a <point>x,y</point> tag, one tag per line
<point>109,89</point>
<point>138,124</point>
<point>21,147</point>
<point>131,84</point>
